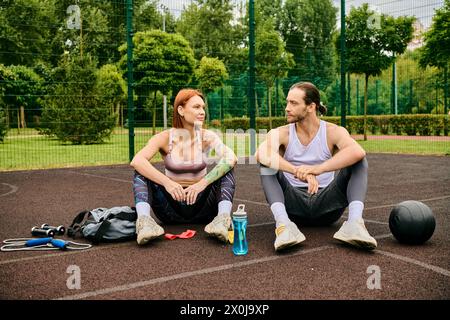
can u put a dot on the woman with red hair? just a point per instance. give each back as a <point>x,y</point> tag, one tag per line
<point>186,193</point>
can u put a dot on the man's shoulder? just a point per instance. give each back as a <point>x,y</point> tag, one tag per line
<point>331,125</point>
<point>281,134</point>
<point>282,129</point>
<point>335,130</point>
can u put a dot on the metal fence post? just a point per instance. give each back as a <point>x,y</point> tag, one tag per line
<point>251,75</point>
<point>343,113</point>
<point>130,104</point>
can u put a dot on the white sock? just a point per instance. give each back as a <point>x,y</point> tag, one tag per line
<point>225,207</point>
<point>143,209</point>
<point>279,213</point>
<point>355,210</point>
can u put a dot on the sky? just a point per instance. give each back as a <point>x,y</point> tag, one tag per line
<point>421,9</point>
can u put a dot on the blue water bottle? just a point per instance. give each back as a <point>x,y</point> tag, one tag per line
<point>240,246</point>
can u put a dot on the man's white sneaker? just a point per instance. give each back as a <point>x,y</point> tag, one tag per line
<point>219,227</point>
<point>147,229</point>
<point>287,236</point>
<point>356,234</point>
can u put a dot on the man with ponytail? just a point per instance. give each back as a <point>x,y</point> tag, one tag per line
<point>298,163</point>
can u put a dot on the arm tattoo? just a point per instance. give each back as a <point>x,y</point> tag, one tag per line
<point>218,171</point>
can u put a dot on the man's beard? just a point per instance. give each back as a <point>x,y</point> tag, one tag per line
<point>294,119</point>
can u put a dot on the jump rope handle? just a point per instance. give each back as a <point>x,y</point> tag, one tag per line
<point>59,243</point>
<point>37,242</point>
<point>55,242</point>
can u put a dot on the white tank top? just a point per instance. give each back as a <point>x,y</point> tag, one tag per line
<point>314,153</point>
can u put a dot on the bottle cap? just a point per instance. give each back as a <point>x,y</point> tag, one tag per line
<point>240,212</point>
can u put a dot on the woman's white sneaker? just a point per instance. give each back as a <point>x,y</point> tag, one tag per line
<point>219,227</point>
<point>147,229</point>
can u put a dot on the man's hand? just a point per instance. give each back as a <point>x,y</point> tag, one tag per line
<point>192,191</point>
<point>302,172</point>
<point>313,184</point>
<point>175,190</point>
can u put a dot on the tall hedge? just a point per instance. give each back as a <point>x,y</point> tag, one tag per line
<point>411,124</point>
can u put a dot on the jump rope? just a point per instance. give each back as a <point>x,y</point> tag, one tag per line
<point>46,242</point>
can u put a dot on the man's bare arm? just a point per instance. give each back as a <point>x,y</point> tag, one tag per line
<point>349,152</point>
<point>268,153</point>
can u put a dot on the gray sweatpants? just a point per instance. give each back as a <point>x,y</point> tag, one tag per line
<point>324,207</point>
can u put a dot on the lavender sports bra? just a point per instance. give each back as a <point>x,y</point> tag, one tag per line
<point>184,172</point>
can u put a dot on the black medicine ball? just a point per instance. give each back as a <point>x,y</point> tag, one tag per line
<point>412,222</point>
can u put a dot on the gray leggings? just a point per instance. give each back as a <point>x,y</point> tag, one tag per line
<point>350,184</point>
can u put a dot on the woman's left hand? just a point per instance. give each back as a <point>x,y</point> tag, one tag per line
<point>192,191</point>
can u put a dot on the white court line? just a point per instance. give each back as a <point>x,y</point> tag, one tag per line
<point>265,204</point>
<point>383,236</point>
<point>414,261</point>
<point>186,275</point>
<point>262,203</point>
<point>13,189</point>
<point>237,199</point>
<point>406,259</point>
<point>64,253</point>
<point>365,220</point>
<point>371,208</point>
<point>369,220</point>
<point>112,246</point>
<point>261,224</point>
<point>103,177</point>
<point>376,222</point>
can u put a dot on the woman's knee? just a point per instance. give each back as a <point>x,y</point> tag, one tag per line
<point>228,180</point>
<point>140,188</point>
<point>139,178</point>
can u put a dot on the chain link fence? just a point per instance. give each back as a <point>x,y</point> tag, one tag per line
<point>67,98</point>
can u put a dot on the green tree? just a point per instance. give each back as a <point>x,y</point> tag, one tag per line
<point>113,89</point>
<point>26,27</point>
<point>3,125</point>
<point>272,59</point>
<point>211,74</point>
<point>307,28</point>
<point>372,41</point>
<point>150,15</point>
<point>98,29</point>
<point>23,91</point>
<point>84,27</point>
<point>209,27</point>
<point>269,9</point>
<point>162,62</point>
<point>74,111</point>
<point>6,77</point>
<point>436,51</point>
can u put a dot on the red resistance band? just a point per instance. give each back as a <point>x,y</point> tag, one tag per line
<point>185,235</point>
